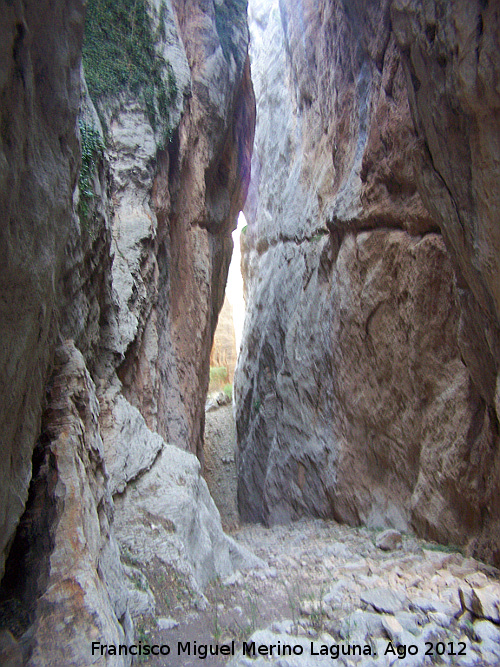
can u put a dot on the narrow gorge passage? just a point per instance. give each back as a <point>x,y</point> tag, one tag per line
<point>354,456</point>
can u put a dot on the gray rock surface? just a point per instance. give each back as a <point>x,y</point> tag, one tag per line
<point>167,623</point>
<point>450,75</point>
<point>489,634</point>
<point>220,462</point>
<point>130,447</point>
<point>384,600</point>
<point>171,243</point>
<point>482,601</point>
<point>173,222</point>
<point>168,513</point>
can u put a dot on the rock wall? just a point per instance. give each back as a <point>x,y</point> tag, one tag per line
<point>451,57</point>
<point>359,389</point>
<point>116,248</point>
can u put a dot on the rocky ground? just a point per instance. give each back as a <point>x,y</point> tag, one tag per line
<point>325,585</point>
<point>322,588</point>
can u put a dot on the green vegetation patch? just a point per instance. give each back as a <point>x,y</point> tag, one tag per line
<point>218,377</point>
<point>228,390</point>
<point>120,54</point>
<point>230,15</point>
<point>445,548</point>
<point>92,152</point>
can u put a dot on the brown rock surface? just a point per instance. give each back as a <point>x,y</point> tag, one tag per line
<point>452,61</point>
<point>389,540</point>
<point>451,54</point>
<point>197,193</point>
<point>10,651</point>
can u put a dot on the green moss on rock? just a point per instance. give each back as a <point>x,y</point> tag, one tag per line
<point>120,53</point>
<point>92,151</point>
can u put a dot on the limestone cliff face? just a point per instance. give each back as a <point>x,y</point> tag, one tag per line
<point>451,57</point>
<point>355,394</point>
<point>121,269</point>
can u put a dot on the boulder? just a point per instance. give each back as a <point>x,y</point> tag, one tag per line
<point>389,540</point>
<point>168,513</point>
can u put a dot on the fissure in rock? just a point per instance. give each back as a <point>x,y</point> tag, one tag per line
<point>361,418</point>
